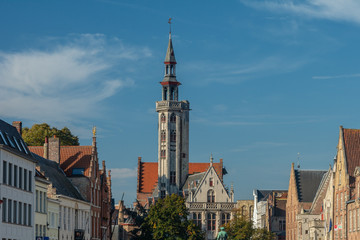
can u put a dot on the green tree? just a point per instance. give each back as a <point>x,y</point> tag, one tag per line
<point>241,229</point>
<point>168,220</point>
<point>35,136</point>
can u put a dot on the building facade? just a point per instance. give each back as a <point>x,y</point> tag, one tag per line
<point>41,205</point>
<point>17,171</point>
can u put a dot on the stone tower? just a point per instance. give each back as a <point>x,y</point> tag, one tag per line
<point>173,131</point>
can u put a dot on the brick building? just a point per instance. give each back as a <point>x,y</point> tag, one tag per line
<point>81,166</point>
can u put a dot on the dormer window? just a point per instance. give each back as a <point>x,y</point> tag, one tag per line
<point>3,138</point>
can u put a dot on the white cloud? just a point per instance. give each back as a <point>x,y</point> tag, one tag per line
<point>67,82</point>
<point>122,173</point>
<point>344,10</point>
<point>355,75</point>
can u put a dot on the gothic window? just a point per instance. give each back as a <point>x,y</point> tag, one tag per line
<point>173,118</point>
<point>163,118</point>
<point>171,93</point>
<point>162,194</point>
<point>211,196</point>
<point>173,136</point>
<point>172,178</point>
<point>163,135</point>
<point>251,212</point>
<point>165,94</point>
<point>225,218</point>
<point>197,219</point>
<point>163,153</point>
<point>211,221</point>
<point>167,69</point>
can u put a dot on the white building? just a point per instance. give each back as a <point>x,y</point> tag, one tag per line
<point>41,202</point>
<point>17,170</point>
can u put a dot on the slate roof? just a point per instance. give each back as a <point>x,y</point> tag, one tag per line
<point>149,173</point>
<point>170,55</point>
<point>263,195</point>
<point>193,180</point>
<point>307,183</point>
<point>10,137</point>
<point>352,149</point>
<point>70,157</point>
<point>58,178</point>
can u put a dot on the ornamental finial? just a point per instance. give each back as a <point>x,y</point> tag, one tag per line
<point>169,25</point>
<point>94,131</point>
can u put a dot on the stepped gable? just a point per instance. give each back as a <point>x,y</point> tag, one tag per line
<point>307,183</point>
<point>58,178</point>
<point>352,149</point>
<point>70,157</point>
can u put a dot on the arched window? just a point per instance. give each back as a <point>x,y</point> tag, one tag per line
<point>163,118</point>
<point>173,136</point>
<point>251,212</point>
<point>163,136</point>
<point>173,118</point>
<point>163,153</point>
<point>211,196</point>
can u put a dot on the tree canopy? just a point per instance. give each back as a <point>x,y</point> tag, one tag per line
<point>241,229</point>
<point>168,220</point>
<point>35,136</point>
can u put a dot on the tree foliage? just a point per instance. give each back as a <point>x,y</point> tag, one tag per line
<point>241,229</point>
<point>35,136</point>
<point>168,220</point>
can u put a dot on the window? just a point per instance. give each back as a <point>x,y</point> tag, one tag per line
<point>211,196</point>
<point>15,212</point>
<point>30,181</point>
<point>163,153</point>
<point>78,171</point>
<point>15,176</point>
<point>4,172</point>
<point>162,194</point>
<point>17,144</point>
<point>211,220</point>
<point>36,200</point>
<point>163,135</point>
<point>211,182</point>
<point>172,177</point>
<point>41,201</point>
<point>163,118</point>
<point>10,174</point>
<point>20,213</point>
<point>173,136</point>
<point>25,179</point>
<point>173,118</point>
<point>4,211</point>
<point>9,211</point>
<point>29,215</point>
<point>45,202</point>
<point>225,218</point>
<point>197,219</point>
<point>3,138</point>
<point>20,177</point>
<point>24,214</point>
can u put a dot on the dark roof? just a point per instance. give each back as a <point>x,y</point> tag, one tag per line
<point>193,180</point>
<point>307,183</point>
<point>10,137</point>
<point>263,195</point>
<point>58,178</point>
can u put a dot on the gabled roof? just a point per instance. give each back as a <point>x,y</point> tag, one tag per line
<point>70,157</point>
<point>148,174</point>
<point>352,149</point>
<point>10,137</point>
<point>307,183</point>
<point>58,178</point>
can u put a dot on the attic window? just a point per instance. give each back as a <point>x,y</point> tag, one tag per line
<point>11,143</point>
<point>3,138</point>
<point>78,171</point>
<point>23,145</point>
<point>211,182</point>
<point>17,144</point>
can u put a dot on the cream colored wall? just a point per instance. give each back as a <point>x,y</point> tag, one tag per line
<point>53,218</point>
<point>40,214</point>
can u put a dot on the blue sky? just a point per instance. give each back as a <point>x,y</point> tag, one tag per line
<point>266,80</point>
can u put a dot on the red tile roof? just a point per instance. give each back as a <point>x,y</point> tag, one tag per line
<point>70,157</point>
<point>149,173</point>
<point>352,149</point>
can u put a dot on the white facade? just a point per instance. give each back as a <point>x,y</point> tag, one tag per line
<point>73,214</point>
<point>41,202</point>
<point>53,208</point>
<point>17,193</point>
<point>210,205</point>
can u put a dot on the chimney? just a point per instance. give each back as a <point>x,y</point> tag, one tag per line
<point>54,149</point>
<point>18,125</point>
<point>46,148</point>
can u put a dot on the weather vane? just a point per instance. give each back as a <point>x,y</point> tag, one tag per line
<point>169,24</point>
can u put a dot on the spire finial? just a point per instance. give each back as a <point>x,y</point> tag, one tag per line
<point>211,159</point>
<point>94,131</point>
<point>169,26</point>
